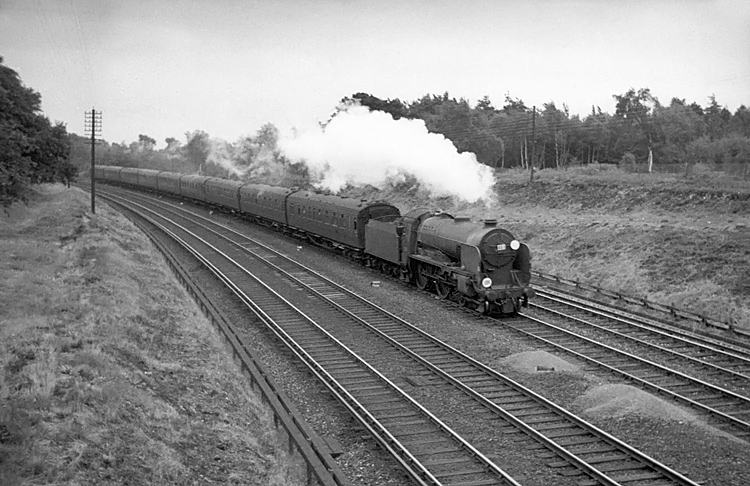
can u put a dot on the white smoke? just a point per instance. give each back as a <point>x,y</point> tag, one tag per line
<point>222,154</point>
<point>361,147</point>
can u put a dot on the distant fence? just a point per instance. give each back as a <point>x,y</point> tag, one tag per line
<point>741,170</point>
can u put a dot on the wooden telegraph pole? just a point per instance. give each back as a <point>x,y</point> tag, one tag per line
<point>93,127</point>
<point>533,144</point>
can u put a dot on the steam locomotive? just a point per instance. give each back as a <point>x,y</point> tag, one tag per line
<point>478,265</point>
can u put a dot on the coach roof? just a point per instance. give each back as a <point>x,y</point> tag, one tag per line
<point>319,199</point>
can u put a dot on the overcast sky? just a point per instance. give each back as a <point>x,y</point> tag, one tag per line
<point>165,67</point>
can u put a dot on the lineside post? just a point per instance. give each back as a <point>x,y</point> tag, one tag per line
<point>93,126</point>
<point>533,144</point>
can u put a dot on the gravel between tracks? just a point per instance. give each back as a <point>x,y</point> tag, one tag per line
<point>667,432</point>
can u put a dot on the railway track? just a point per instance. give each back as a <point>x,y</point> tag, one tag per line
<point>642,324</point>
<point>427,449</point>
<point>724,362</point>
<point>706,375</point>
<point>423,444</point>
<point>321,467</point>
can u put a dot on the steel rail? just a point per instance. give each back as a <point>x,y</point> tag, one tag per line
<point>719,370</point>
<point>676,333</point>
<point>613,352</point>
<point>440,370</point>
<point>310,446</point>
<point>592,471</point>
<point>665,309</point>
<point>335,298</point>
<point>380,432</point>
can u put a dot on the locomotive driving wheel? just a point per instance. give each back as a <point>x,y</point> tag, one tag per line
<point>421,280</point>
<point>443,289</point>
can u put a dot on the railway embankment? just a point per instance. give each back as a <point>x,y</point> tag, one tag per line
<point>109,373</point>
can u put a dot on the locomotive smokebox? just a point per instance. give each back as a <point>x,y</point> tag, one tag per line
<point>447,234</point>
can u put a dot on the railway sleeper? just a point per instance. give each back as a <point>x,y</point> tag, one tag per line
<point>423,431</point>
<point>424,442</point>
<point>446,462</point>
<point>465,472</point>
<point>543,420</point>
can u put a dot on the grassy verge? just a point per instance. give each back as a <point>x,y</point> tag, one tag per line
<point>108,371</point>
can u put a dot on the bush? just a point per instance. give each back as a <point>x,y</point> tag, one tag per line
<point>733,149</point>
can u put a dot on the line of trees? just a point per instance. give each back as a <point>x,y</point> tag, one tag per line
<point>641,130</point>
<point>32,150</point>
<point>252,156</point>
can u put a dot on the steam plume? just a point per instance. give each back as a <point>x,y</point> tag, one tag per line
<point>360,147</point>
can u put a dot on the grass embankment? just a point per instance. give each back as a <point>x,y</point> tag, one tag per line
<point>108,371</point>
<point>674,239</point>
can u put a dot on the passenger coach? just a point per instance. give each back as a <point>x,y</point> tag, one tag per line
<point>169,182</point>
<point>193,186</point>
<point>224,192</point>
<point>339,220</point>
<point>265,202</point>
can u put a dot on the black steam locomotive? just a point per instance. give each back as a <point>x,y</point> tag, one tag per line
<point>477,264</point>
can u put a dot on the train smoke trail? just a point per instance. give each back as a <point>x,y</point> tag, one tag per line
<point>221,153</point>
<point>362,147</point>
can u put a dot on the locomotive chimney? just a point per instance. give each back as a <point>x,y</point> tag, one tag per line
<point>490,223</point>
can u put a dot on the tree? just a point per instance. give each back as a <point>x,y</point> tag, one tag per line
<point>514,125</point>
<point>485,106</point>
<point>197,149</point>
<point>427,106</point>
<point>470,129</point>
<point>717,118</point>
<point>633,110</point>
<point>32,151</point>
<point>592,139</point>
<point>395,108</point>
<point>740,123</point>
<point>675,126</point>
<point>555,126</point>
<point>146,143</point>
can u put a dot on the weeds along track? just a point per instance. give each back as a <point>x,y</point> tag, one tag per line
<point>367,357</point>
<point>706,375</point>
